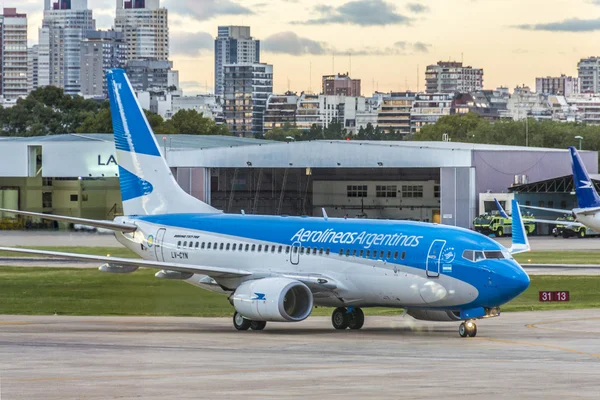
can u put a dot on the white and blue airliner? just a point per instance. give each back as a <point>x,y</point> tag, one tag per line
<point>277,269</point>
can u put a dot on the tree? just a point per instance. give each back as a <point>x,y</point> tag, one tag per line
<point>193,123</point>
<point>282,134</point>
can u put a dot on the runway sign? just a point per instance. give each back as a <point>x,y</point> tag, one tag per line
<point>546,297</point>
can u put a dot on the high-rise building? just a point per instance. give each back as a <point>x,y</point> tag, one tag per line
<point>589,74</point>
<point>100,51</point>
<point>395,111</point>
<point>452,77</point>
<point>64,25</point>
<point>151,75</point>
<point>32,68</point>
<point>145,27</point>
<point>565,85</point>
<point>13,54</point>
<point>233,45</point>
<point>247,89</point>
<point>340,85</point>
<point>428,108</point>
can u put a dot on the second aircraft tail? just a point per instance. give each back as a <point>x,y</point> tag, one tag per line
<point>587,197</point>
<point>147,184</point>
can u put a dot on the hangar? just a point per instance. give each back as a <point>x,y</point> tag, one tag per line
<point>77,175</point>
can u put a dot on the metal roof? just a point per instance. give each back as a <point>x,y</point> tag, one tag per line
<point>174,142</point>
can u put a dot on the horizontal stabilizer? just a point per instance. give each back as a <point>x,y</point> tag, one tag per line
<point>113,226</point>
<point>215,272</point>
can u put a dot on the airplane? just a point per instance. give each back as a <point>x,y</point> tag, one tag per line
<point>276,268</point>
<point>587,213</point>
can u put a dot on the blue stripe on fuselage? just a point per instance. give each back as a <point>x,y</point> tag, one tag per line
<point>333,233</point>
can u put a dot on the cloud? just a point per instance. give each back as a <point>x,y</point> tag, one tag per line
<point>568,25</point>
<point>418,8</point>
<point>191,44</point>
<point>421,47</point>
<point>291,43</point>
<point>203,10</point>
<point>359,12</point>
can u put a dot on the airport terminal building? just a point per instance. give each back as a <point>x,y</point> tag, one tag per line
<point>77,175</point>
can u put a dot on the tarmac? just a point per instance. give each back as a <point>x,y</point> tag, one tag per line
<point>534,355</point>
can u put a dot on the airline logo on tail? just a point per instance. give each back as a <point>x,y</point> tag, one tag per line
<point>587,197</point>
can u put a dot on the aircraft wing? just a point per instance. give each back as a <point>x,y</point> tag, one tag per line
<point>214,272</point>
<point>541,221</point>
<point>556,210</point>
<point>113,226</point>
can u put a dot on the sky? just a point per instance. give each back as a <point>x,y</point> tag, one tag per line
<point>386,43</point>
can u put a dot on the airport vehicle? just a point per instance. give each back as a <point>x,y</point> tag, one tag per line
<point>564,229</point>
<point>275,269</point>
<point>498,225</point>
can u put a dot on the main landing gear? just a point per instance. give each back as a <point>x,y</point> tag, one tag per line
<point>242,324</point>
<point>467,329</point>
<point>343,318</point>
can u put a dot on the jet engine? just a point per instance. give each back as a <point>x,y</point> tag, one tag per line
<point>434,315</point>
<point>117,269</point>
<point>273,299</point>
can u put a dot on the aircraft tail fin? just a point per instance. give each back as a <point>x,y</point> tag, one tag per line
<point>147,184</point>
<point>503,213</point>
<point>587,197</point>
<point>520,241</point>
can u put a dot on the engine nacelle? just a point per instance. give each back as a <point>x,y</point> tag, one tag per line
<point>118,269</point>
<point>273,299</point>
<point>434,315</point>
<point>173,275</point>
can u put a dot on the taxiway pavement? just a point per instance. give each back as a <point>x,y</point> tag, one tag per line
<point>534,355</point>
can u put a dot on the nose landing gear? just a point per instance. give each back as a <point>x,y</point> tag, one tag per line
<point>467,329</point>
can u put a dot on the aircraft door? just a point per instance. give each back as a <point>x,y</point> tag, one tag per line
<point>158,244</point>
<point>434,258</point>
<point>295,253</point>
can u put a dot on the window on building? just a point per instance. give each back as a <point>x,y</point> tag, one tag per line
<point>74,197</point>
<point>412,191</point>
<point>357,190</point>
<point>386,191</point>
<point>436,191</point>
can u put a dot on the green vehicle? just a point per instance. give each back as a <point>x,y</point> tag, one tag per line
<point>567,231</point>
<point>495,224</point>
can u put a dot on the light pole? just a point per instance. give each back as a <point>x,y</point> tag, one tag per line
<point>580,140</point>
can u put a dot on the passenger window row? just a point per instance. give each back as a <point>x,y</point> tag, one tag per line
<point>374,254</point>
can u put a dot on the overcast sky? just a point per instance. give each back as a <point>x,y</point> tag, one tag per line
<point>513,40</point>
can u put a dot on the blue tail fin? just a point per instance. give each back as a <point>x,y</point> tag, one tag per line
<point>587,197</point>
<point>147,184</point>
<point>503,213</point>
<point>520,241</point>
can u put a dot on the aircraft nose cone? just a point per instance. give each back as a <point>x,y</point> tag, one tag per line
<point>517,281</point>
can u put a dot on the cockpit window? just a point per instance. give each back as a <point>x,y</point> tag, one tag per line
<point>468,255</point>
<point>479,256</point>
<point>494,255</point>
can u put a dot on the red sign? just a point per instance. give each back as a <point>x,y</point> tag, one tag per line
<point>546,297</point>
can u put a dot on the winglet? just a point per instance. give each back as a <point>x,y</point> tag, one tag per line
<point>325,214</point>
<point>520,242</point>
<point>587,197</point>
<point>502,212</point>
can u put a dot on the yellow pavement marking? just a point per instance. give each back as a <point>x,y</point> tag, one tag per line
<point>537,325</point>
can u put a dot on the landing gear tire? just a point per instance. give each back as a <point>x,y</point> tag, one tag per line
<point>340,318</point>
<point>467,329</point>
<point>258,325</point>
<point>356,319</point>
<point>240,323</point>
